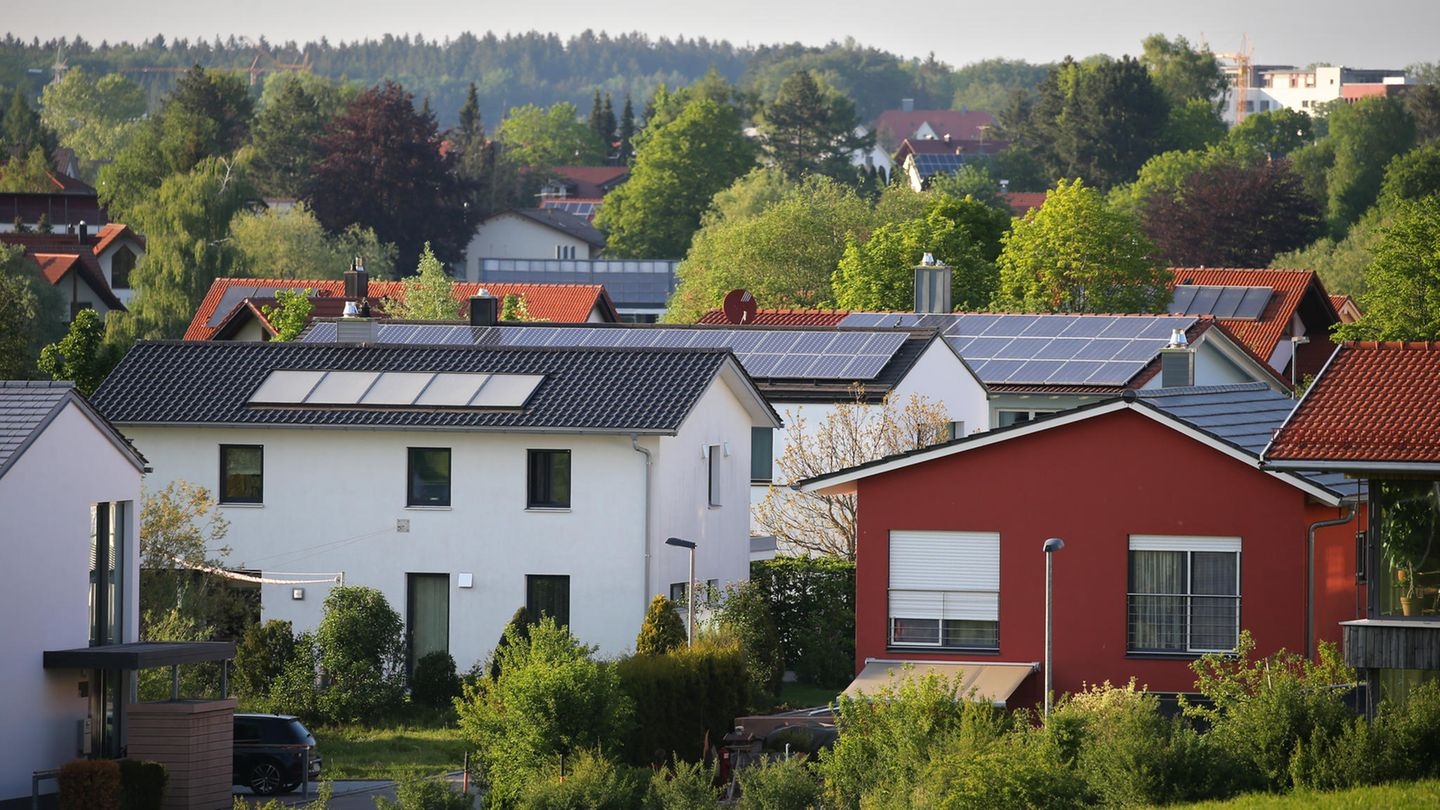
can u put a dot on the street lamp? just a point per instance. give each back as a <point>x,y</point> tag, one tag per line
<point>689,588</point>
<point>1052,545</point>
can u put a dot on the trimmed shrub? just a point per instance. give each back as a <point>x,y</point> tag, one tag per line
<point>435,682</point>
<point>361,653</point>
<point>742,613</point>
<point>812,603</point>
<point>683,786</point>
<point>142,784</point>
<point>779,784</point>
<point>1021,768</point>
<point>591,781</point>
<point>261,656</point>
<point>90,784</point>
<point>682,699</point>
<point>662,630</point>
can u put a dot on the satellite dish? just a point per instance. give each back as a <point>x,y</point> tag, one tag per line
<point>740,307</point>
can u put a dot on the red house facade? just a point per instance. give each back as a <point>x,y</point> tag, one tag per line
<point>1175,540</point>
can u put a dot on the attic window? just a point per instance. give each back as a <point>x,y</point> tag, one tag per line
<point>395,389</point>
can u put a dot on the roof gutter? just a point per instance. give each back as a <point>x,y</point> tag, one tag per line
<point>1310,574</point>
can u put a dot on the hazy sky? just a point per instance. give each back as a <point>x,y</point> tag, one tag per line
<point>1388,34</point>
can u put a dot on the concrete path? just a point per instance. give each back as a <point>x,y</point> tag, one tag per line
<point>348,794</point>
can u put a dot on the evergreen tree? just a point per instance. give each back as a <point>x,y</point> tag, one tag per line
<point>627,132</point>
<point>662,630</point>
<point>21,131</point>
<point>471,125</point>
<point>810,129</point>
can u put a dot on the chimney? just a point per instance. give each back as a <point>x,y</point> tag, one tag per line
<point>484,309</point>
<point>357,281</point>
<point>907,105</point>
<point>1177,362</point>
<point>352,328</point>
<point>83,232</point>
<point>932,286</point>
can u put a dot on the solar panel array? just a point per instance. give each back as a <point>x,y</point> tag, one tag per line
<point>764,353</point>
<point>932,164</point>
<point>1099,350</point>
<point>1221,301</point>
<point>395,389</point>
<point>585,209</point>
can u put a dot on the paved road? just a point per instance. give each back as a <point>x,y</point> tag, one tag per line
<point>348,794</point>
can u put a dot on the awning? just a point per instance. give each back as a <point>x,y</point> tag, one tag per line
<point>140,655</point>
<point>988,681</point>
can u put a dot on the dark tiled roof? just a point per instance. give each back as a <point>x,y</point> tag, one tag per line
<point>1245,416</point>
<point>27,406</point>
<point>568,224</point>
<point>1375,403</point>
<point>604,390</point>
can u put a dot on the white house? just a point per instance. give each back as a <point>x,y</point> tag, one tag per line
<point>69,496</point>
<point>461,481</point>
<point>532,233</point>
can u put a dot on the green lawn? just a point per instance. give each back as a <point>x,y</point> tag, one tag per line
<point>1402,795</point>
<point>805,696</point>
<point>401,752</point>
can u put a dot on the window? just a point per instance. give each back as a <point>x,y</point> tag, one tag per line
<point>713,456</point>
<point>762,454</point>
<point>429,477</point>
<point>242,473</point>
<point>549,477</point>
<point>108,546</point>
<point>548,595</point>
<point>1184,594</point>
<point>1405,515</point>
<point>564,251</point>
<point>120,266</point>
<point>1006,418</point>
<point>945,589</point>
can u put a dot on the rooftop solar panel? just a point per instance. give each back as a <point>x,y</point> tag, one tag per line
<point>760,365</point>
<point>813,342</point>
<point>1036,371</point>
<point>1024,348</point>
<point>1115,373</point>
<point>1126,328</point>
<point>1000,371</point>
<point>865,367</point>
<point>1061,349</point>
<point>780,342</point>
<point>1074,372</point>
<point>1075,326</point>
<point>342,387</point>
<point>1247,303</point>
<point>794,365</point>
<point>1136,350</point>
<point>830,367</point>
<point>1099,349</point>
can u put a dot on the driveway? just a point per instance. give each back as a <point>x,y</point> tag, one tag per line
<point>348,794</point>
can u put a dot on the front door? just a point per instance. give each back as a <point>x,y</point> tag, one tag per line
<point>427,617</point>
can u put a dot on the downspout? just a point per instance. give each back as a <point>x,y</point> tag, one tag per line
<point>1310,575</point>
<point>645,541</point>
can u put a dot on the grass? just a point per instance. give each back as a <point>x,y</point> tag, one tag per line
<point>805,696</point>
<point>397,752</point>
<point>1398,794</point>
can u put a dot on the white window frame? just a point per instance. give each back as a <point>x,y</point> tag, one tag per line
<point>943,577</point>
<point>715,471</point>
<point>1188,545</point>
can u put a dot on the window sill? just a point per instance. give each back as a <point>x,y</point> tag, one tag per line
<point>551,509</point>
<point>911,648</point>
<point>240,505</point>
<point>1167,656</point>
<point>421,507</point>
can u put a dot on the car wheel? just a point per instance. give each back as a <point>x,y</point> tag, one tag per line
<point>265,778</point>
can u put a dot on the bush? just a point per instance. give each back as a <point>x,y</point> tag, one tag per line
<point>359,641</point>
<point>435,682</point>
<point>888,739</point>
<point>662,630</point>
<point>591,781</point>
<point>551,699</point>
<point>812,604</point>
<point>1399,744</point>
<point>1127,751</point>
<point>781,784</point>
<point>142,784</point>
<point>517,629</point>
<point>90,784</point>
<point>1261,710</point>
<point>295,690</point>
<point>261,657</point>
<point>426,794</point>
<point>682,699</point>
<point>742,612</point>
<point>1021,768</point>
<point>683,786</point>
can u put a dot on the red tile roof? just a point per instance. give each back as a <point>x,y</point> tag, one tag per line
<point>55,266</point>
<point>1263,334</point>
<point>592,181</point>
<point>1346,308</point>
<point>783,317</point>
<point>560,303</point>
<point>1023,202</point>
<point>112,232</point>
<point>893,126</point>
<point>1375,402</point>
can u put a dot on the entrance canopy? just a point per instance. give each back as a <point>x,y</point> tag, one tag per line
<point>990,681</point>
<point>140,655</point>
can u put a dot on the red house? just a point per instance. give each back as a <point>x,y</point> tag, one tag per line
<point>1175,540</point>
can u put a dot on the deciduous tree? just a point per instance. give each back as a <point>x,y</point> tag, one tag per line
<point>294,111</point>
<point>852,433</point>
<point>82,356</point>
<point>382,168</point>
<point>290,243</point>
<point>290,314</point>
<point>1402,297</point>
<point>680,166</point>
<point>1365,136</point>
<point>429,294</point>
<point>31,314</point>
<point>94,117</point>
<point>1073,254</point>
<point>543,138</point>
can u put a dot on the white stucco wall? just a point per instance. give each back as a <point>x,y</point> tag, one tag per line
<point>333,499</point>
<point>45,502</point>
<point>510,236</point>
<point>106,259</point>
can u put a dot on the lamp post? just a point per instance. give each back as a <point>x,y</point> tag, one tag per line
<point>689,588</point>
<point>1052,545</point>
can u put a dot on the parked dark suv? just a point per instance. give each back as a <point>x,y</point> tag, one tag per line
<point>270,752</point>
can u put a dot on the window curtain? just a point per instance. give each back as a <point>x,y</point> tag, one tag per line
<point>1157,601</point>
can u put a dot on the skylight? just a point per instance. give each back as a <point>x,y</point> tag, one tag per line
<point>395,389</point>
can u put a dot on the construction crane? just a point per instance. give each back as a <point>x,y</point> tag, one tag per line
<point>265,62</point>
<point>1241,85</point>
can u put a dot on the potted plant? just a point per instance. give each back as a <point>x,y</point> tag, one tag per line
<point>1407,534</point>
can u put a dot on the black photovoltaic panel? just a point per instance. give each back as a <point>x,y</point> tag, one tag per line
<point>865,367</point>
<point>794,365</point>
<point>1022,348</point>
<point>1084,327</point>
<point>1137,351</point>
<point>861,320</point>
<point>1099,349</point>
<point>813,342</point>
<point>848,342</point>
<point>986,347</point>
<point>1036,371</point>
<point>1061,349</point>
<point>1126,328</point>
<point>760,365</point>
<point>1074,372</point>
<point>1221,301</point>
<point>780,342</point>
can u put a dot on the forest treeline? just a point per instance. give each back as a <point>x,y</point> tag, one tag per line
<point>534,68</point>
